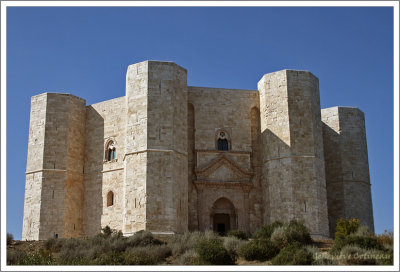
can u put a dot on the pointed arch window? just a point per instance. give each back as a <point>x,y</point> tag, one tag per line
<point>223,141</point>
<point>111,151</point>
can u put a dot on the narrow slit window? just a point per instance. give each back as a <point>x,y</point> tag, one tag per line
<point>110,198</point>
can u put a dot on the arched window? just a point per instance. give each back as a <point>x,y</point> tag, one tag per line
<point>110,199</point>
<point>222,141</point>
<point>111,152</point>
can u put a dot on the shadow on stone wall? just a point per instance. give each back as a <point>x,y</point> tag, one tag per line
<point>93,182</point>
<point>333,173</point>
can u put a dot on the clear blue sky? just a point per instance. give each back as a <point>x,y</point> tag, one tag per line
<point>86,51</point>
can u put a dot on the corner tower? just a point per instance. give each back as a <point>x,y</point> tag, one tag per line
<point>156,189</point>
<point>293,175</point>
<point>347,171</point>
<point>54,170</point>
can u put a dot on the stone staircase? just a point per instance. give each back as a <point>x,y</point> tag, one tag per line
<point>323,245</point>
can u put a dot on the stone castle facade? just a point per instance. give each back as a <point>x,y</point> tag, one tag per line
<point>168,158</point>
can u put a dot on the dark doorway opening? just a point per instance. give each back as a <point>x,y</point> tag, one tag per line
<point>221,223</point>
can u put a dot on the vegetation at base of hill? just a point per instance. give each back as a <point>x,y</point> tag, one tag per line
<point>275,244</point>
<point>238,234</point>
<point>356,245</point>
<point>293,254</point>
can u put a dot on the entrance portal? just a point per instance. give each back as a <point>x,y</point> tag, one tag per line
<point>221,223</point>
<point>223,216</point>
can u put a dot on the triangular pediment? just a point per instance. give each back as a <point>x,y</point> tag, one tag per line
<point>223,169</point>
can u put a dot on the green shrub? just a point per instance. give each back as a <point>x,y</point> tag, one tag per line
<point>138,257</point>
<point>180,243</point>
<point>291,232</point>
<point>212,252</point>
<point>324,261</point>
<point>157,253</point>
<point>266,231</point>
<point>14,256</point>
<point>142,238</point>
<point>190,257</point>
<point>10,238</point>
<point>362,242</point>
<point>49,244</point>
<point>260,250</point>
<point>293,254</point>
<point>210,235</point>
<point>111,258</point>
<point>318,257</point>
<point>354,255</point>
<point>346,227</point>
<point>363,231</point>
<point>36,259</point>
<point>238,234</point>
<point>385,257</point>
<point>106,231</point>
<point>232,245</point>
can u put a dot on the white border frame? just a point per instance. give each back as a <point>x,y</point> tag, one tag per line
<point>394,4</point>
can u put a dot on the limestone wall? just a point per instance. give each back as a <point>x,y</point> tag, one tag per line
<point>293,167</point>
<point>167,163</point>
<point>134,216</point>
<point>229,110</point>
<point>168,175</point>
<point>347,171</point>
<point>105,121</point>
<point>54,167</point>
<point>33,185</point>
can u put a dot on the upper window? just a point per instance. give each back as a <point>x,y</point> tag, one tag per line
<point>222,141</point>
<point>111,152</point>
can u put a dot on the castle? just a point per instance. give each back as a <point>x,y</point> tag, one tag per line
<point>168,158</point>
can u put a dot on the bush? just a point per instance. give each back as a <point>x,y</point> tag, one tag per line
<point>10,238</point>
<point>323,261</point>
<point>138,257</point>
<point>180,243</point>
<point>385,257</point>
<point>190,257</point>
<point>293,254</point>
<point>362,242</point>
<point>385,238</point>
<point>157,253</point>
<point>15,256</point>
<point>36,259</point>
<point>318,257</point>
<point>238,234</point>
<point>291,232</point>
<point>354,255</point>
<point>49,244</point>
<point>346,227</point>
<point>266,231</point>
<point>232,245</point>
<point>212,252</point>
<point>142,238</point>
<point>111,258</point>
<point>363,231</point>
<point>260,250</point>
<point>106,231</point>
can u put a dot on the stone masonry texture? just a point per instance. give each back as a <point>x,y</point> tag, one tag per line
<point>152,159</point>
